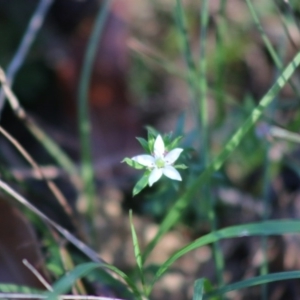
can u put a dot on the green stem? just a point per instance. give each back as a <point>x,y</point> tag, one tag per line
<point>276,59</point>
<point>203,112</point>
<point>264,269</point>
<point>176,212</point>
<point>266,184</point>
<point>83,113</point>
<point>220,58</point>
<point>192,75</point>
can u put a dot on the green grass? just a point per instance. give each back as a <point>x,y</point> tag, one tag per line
<point>209,55</point>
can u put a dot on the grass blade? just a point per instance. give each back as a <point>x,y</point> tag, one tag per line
<point>254,281</point>
<point>82,109</point>
<point>136,247</point>
<point>66,282</point>
<point>267,228</point>
<point>200,287</point>
<point>275,57</point>
<point>176,212</point>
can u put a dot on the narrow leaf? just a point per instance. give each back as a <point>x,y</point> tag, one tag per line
<point>13,288</point>
<point>263,279</point>
<point>202,286</point>
<point>254,229</point>
<point>141,184</point>
<point>144,144</point>
<point>182,166</point>
<point>132,163</point>
<point>167,140</point>
<point>198,289</point>
<point>153,132</point>
<point>136,248</point>
<point>175,143</point>
<point>64,284</point>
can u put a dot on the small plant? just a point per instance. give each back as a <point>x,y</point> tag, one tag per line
<point>159,159</point>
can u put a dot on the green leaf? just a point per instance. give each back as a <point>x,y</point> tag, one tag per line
<point>141,184</point>
<point>176,212</point>
<point>182,166</point>
<point>175,143</point>
<point>152,134</point>
<point>202,286</point>
<point>132,163</point>
<point>253,229</point>
<point>151,142</point>
<point>167,139</point>
<point>144,144</point>
<point>110,280</point>
<point>64,284</point>
<point>258,280</point>
<point>198,289</point>
<point>13,288</point>
<point>137,252</point>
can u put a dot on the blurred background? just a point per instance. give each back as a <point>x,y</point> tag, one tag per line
<point>140,78</point>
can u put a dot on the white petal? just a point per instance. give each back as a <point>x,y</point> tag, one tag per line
<point>172,156</point>
<point>145,160</point>
<point>155,176</point>
<point>172,173</point>
<point>159,147</point>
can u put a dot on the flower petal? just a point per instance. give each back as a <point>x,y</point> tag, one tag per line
<point>172,173</point>
<point>172,156</point>
<point>159,147</point>
<point>155,176</point>
<point>145,160</point>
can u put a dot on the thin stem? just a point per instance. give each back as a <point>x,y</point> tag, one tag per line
<point>275,57</point>
<point>292,14</point>
<point>220,82</point>
<point>264,269</point>
<point>37,274</point>
<point>285,26</point>
<point>203,112</point>
<point>83,113</point>
<point>33,28</point>
<point>51,185</point>
<point>188,56</point>
<point>51,146</point>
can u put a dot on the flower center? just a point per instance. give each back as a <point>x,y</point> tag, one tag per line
<point>160,163</point>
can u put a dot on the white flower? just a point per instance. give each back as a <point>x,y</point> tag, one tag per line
<point>160,162</point>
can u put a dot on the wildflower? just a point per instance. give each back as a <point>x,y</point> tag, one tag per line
<point>160,162</point>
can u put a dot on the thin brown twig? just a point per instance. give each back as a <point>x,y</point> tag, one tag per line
<point>64,232</point>
<point>51,185</point>
<point>78,287</point>
<point>33,28</point>
<point>36,273</point>
<point>68,166</point>
<point>50,172</point>
<point>35,130</point>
